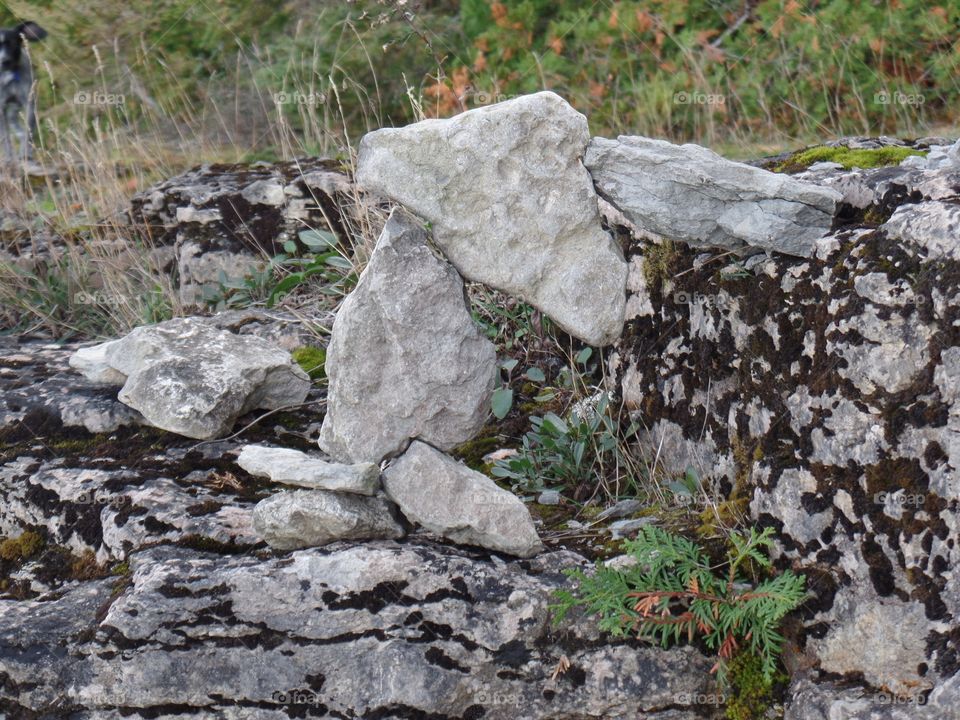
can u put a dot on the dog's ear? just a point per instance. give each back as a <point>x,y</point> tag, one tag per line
<point>30,30</point>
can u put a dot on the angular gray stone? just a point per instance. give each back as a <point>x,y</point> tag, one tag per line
<point>292,467</point>
<point>309,518</point>
<point>188,377</point>
<point>511,205</point>
<point>691,194</point>
<point>405,358</point>
<point>448,498</point>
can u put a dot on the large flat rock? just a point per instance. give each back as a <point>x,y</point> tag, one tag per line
<point>511,205</point>
<point>825,393</point>
<point>691,194</point>
<point>378,630</point>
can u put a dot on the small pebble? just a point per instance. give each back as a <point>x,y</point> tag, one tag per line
<point>549,497</point>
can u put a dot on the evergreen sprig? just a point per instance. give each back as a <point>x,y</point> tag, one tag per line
<point>672,593</point>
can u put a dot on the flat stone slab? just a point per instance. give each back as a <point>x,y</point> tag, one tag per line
<point>691,194</point>
<point>511,205</point>
<point>292,467</point>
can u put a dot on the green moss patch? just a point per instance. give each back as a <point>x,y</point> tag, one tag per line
<point>751,695</point>
<point>312,360</point>
<point>848,157</point>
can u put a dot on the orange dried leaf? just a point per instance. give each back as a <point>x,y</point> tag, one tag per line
<point>644,21</point>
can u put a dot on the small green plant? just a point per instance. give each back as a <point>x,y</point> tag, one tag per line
<point>672,593</point>
<point>286,272</point>
<point>558,452</point>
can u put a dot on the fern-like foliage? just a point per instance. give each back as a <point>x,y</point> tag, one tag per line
<point>673,594</point>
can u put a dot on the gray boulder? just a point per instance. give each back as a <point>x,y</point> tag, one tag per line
<point>309,518</point>
<point>405,358</point>
<point>185,376</point>
<point>450,499</point>
<point>691,194</point>
<point>292,467</point>
<point>511,205</point>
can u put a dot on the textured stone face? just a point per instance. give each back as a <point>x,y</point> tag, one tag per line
<point>691,194</point>
<point>448,498</point>
<point>309,518</point>
<point>228,219</point>
<point>824,393</point>
<point>188,377</point>
<point>405,359</point>
<point>511,205</point>
<point>292,467</point>
<point>357,631</point>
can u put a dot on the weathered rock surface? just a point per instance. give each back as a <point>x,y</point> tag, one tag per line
<point>292,467</point>
<point>824,394</point>
<point>405,359</point>
<point>448,498</point>
<point>691,194</point>
<point>510,204</point>
<point>230,219</point>
<point>187,377</point>
<point>38,390</point>
<point>310,518</point>
<point>377,630</point>
<point>809,701</point>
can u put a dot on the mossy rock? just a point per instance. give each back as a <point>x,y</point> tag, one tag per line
<point>658,261</point>
<point>848,157</point>
<point>23,547</point>
<point>473,451</point>
<point>312,360</point>
<point>750,695</point>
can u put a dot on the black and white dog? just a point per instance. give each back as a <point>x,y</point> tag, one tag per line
<point>16,89</point>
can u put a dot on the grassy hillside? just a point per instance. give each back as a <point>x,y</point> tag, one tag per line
<point>268,78</point>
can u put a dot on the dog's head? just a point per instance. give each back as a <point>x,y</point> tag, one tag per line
<point>11,43</point>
